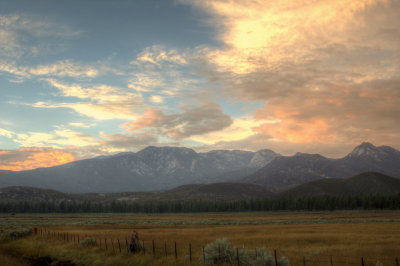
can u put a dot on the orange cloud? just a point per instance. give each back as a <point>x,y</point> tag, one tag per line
<point>32,158</point>
<point>149,119</point>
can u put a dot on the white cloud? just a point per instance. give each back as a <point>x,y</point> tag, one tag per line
<point>6,133</point>
<point>157,55</point>
<point>105,102</point>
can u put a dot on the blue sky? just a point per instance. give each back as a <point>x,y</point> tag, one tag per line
<point>85,78</point>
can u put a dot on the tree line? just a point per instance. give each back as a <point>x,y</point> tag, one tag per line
<point>307,203</point>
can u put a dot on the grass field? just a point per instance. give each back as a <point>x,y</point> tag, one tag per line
<point>321,238</point>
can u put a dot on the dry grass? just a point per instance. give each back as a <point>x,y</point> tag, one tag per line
<point>346,236</point>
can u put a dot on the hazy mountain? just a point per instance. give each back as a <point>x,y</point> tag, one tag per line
<point>301,168</point>
<point>365,183</point>
<point>153,168</point>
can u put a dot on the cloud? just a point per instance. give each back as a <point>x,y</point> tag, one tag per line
<point>157,55</point>
<point>58,138</point>
<point>80,125</point>
<point>121,142</point>
<point>31,158</point>
<point>105,102</point>
<point>17,32</point>
<point>65,68</point>
<point>328,71</point>
<point>192,121</point>
<point>6,133</point>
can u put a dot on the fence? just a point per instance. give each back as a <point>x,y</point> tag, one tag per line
<point>171,249</point>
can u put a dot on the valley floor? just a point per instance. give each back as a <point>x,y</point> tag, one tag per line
<point>319,238</point>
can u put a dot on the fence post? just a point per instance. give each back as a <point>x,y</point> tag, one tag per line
<point>112,244</point>
<point>127,247</point>
<point>119,245</point>
<point>105,243</point>
<point>237,256</point>
<point>362,261</point>
<point>304,260</point>
<point>144,249</point>
<point>276,260</point>
<point>154,248</point>
<point>331,261</point>
<point>397,261</point>
<point>176,252</point>
<point>190,252</point>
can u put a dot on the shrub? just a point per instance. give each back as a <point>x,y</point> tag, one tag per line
<point>222,252</point>
<point>260,256</point>
<point>219,252</point>
<point>89,242</point>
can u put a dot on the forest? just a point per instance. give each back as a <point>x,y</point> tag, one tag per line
<point>308,203</point>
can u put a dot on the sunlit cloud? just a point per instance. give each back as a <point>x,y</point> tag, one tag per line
<point>56,139</point>
<point>105,102</point>
<point>194,120</point>
<point>157,55</point>
<point>64,69</point>
<point>6,133</point>
<point>31,158</point>
<point>328,71</point>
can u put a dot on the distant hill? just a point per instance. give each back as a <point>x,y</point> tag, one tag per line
<point>215,191</point>
<point>151,169</point>
<point>301,168</point>
<point>365,183</point>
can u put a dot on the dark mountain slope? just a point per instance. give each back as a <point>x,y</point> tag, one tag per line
<point>365,183</point>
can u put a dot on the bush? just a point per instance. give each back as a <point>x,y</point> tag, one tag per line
<point>222,252</point>
<point>260,256</point>
<point>89,242</point>
<point>219,252</point>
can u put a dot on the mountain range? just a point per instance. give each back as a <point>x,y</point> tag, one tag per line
<point>163,168</point>
<point>151,169</point>
<point>366,183</point>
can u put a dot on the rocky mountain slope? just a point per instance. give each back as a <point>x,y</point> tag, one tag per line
<point>153,168</point>
<point>302,168</point>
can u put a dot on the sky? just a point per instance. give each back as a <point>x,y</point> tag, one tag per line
<point>80,79</point>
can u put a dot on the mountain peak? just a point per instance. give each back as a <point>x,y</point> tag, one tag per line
<point>364,149</point>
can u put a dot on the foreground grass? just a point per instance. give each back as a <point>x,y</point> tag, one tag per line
<point>346,236</point>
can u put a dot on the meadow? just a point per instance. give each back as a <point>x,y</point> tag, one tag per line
<point>311,238</point>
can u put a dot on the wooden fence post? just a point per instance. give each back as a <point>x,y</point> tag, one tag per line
<point>190,252</point>
<point>397,261</point>
<point>105,243</point>
<point>362,261</point>
<point>304,260</point>
<point>331,261</point>
<point>112,244</point>
<point>237,256</point>
<point>204,256</point>
<point>119,245</point>
<point>276,259</point>
<point>154,248</point>
<point>176,252</point>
